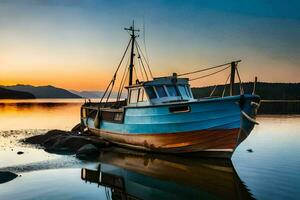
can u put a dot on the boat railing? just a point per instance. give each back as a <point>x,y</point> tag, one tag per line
<point>97,105</point>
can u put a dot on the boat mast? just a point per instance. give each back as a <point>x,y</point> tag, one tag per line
<point>131,31</point>
<point>232,76</point>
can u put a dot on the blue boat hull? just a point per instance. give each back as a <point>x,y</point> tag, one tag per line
<point>211,126</point>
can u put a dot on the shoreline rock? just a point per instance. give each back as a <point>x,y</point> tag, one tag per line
<point>86,151</point>
<point>65,142</point>
<point>6,176</point>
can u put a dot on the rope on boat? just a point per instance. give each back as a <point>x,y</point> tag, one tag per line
<point>121,87</point>
<point>193,79</point>
<point>213,91</point>
<point>144,40</point>
<point>110,86</point>
<point>249,118</point>
<point>206,69</point>
<point>112,82</point>
<point>147,64</point>
<point>223,93</point>
<point>140,68</point>
<point>134,69</point>
<point>122,80</point>
<point>141,62</point>
<point>141,71</point>
<point>213,73</point>
<point>241,84</point>
<point>256,104</point>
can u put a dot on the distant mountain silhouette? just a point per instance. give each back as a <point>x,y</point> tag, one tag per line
<point>43,91</point>
<point>88,94</point>
<point>267,91</point>
<point>12,94</point>
<point>94,94</point>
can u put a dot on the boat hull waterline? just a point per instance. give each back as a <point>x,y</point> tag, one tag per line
<point>212,127</point>
<point>211,142</point>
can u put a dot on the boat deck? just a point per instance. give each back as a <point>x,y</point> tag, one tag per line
<point>109,106</point>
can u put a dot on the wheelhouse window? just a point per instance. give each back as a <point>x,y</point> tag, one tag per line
<point>161,91</point>
<point>142,95</point>
<point>183,91</point>
<point>151,93</point>
<point>134,95</point>
<point>188,91</point>
<point>172,90</point>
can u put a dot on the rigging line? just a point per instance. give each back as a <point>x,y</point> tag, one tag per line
<point>139,65</point>
<point>241,86</point>
<point>213,91</point>
<point>123,56</point>
<point>145,60</point>
<point>144,70</point>
<point>147,63</point>
<point>141,70</point>
<point>223,93</point>
<point>108,96</point>
<point>209,68</point>
<point>121,84</point>
<point>104,93</point>
<point>141,61</point>
<point>115,74</point>
<point>144,39</point>
<point>209,74</point>
<point>124,73</point>
<point>134,69</point>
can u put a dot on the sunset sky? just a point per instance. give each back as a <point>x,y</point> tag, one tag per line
<point>77,44</point>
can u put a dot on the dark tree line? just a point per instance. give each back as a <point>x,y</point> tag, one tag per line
<point>267,91</point>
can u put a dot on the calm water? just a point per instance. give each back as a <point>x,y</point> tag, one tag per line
<point>271,171</point>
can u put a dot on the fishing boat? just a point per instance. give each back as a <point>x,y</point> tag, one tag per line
<point>160,114</point>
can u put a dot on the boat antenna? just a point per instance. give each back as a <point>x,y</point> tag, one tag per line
<point>131,32</point>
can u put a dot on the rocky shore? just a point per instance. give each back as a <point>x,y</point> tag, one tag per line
<point>65,142</point>
<point>6,176</point>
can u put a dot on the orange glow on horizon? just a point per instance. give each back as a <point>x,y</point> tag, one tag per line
<point>79,45</point>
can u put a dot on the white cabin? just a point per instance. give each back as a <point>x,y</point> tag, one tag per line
<point>159,91</point>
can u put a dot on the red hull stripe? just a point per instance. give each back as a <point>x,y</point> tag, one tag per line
<point>183,142</point>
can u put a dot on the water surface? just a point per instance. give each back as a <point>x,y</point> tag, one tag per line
<point>271,171</point>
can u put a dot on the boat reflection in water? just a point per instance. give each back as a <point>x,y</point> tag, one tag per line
<point>135,175</point>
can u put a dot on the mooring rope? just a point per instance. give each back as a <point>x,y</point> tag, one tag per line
<point>249,118</point>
